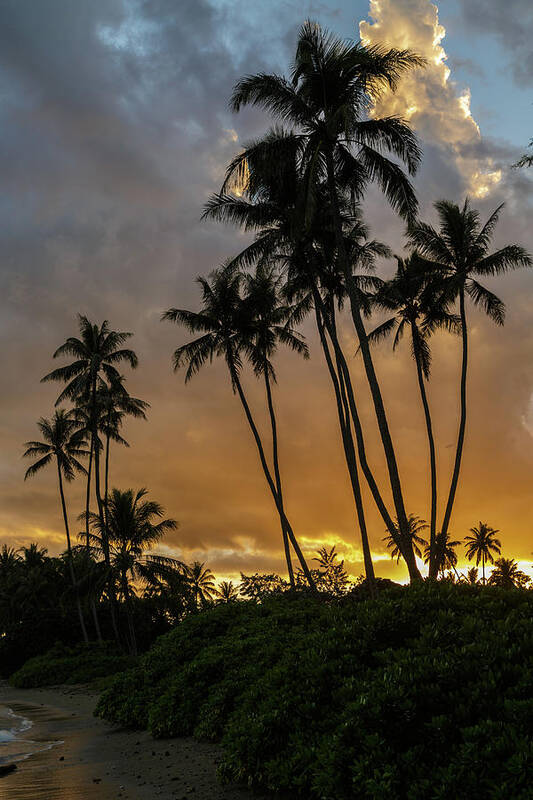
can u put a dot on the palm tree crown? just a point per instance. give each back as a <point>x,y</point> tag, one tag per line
<point>482,545</point>
<point>62,440</point>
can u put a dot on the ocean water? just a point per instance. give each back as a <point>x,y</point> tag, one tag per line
<point>16,743</point>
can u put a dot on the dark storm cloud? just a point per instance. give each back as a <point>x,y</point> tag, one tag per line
<point>512,24</point>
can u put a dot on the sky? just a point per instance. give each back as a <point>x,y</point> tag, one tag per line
<point>114,131</point>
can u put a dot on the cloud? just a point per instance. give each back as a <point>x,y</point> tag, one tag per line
<point>114,130</point>
<point>511,23</point>
<point>427,97</point>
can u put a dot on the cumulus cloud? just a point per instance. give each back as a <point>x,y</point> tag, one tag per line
<point>427,97</point>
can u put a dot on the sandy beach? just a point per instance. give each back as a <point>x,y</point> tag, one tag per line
<point>91,759</point>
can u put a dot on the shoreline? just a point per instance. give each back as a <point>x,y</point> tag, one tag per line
<point>96,760</point>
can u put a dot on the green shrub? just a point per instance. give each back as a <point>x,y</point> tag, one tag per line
<point>79,664</point>
<point>424,694</point>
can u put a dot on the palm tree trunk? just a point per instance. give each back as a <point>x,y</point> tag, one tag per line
<point>462,423</point>
<point>432,455</point>
<point>277,475</point>
<point>106,484</point>
<point>349,451</point>
<point>361,449</point>
<point>88,545</point>
<point>383,425</point>
<point>88,498</point>
<point>129,614</point>
<point>70,558</point>
<point>483,566</point>
<point>105,539</point>
<point>237,384</point>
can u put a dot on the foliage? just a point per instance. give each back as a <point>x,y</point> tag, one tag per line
<point>424,692</point>
<point>78,664</point>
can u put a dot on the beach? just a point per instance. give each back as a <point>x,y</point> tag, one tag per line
<point>79,756</point>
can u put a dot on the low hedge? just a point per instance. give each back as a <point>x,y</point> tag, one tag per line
<point>78,664</point>
<point>425,693</point>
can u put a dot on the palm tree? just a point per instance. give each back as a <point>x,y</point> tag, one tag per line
<point>458,253</point>
<point>268,322</point>
<point>471,576</point>
<point>416,309</point>
<point>133,526</point>
<point>65,444</point>
<point>416,526</point>
<point>327,101</point>
<point>202,583</point>
<point>507,575</point>
<point>95,353</point>
<point>481,545</point>
<point>226,592</point>
<point>526,160</point>
<point>272,207</point>
<point>443,554</point>
<point>220,323</point>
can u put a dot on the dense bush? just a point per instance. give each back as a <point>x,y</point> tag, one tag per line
<point>79,664</point>
<point>424,694</point>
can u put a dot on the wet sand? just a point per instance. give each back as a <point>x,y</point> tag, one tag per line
<point>96,760</point>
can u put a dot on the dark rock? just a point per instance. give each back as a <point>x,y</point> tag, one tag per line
<point>6,769</point>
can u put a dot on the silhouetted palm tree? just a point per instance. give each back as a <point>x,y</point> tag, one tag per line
<point>408,294</point>
<point>95,353</point>
<point>328,99</point>
<point>64,444</point>
<point>526,160</point>
<point>482,544</point>
<point>134,525</point>
<point>220,323</point>
<point>458,252</point>
<point>507,575</point>
<point>267,322</point>
<point>226,592</point>
<point>471,576</point>
<point>202,583</point>
<point>444,555</point>
<point>305,249</point>
<point>416,526</point>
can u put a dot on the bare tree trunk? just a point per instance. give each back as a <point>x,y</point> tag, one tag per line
<point>432,455</point>
<point>88,544</point>
<point>105,538</point>
<point>349,450</point>
<point>237,384</point>
<point>361,449</point>
<point>404,540</point>
<point>277,475</point>
<point>70,558</point>
<point>462,422</point>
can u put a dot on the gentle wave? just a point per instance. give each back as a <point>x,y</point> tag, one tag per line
<point>13,745</point>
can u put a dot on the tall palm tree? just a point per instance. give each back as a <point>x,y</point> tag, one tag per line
<point>134,525</point>
<point>270,204</point>
<point>268,322</point>
<point>202,583</point>
<point>220,324</point>
<point>459,253</point>
<point>481,545</point>
<point>416,309</point>
<point>328,99</point>
<point>65,444</point>
<point>416,526</point>
<point>96,352</point>
<point>507,575</point>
